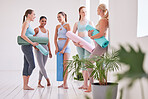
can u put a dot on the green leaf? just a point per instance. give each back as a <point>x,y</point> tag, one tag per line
<point>134,60</point>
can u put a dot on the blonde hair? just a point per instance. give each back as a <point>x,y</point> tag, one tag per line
<point>104,9</point>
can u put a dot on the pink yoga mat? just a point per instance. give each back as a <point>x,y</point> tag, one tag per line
<point>76,38</point>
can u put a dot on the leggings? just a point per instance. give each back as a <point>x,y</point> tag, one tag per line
<point>42,59</point>
<point>29,64</point>
<point>83,53</point>
<point>98,51</point>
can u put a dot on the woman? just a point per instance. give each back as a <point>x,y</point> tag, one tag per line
<point>102,26</point>
<point>62,45</point>
<point>82,32</point>
<point>27,31</point>
<point>41,31</point>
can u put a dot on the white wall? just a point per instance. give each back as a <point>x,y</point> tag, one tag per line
<point>123,30</point>
<point>12,12</point>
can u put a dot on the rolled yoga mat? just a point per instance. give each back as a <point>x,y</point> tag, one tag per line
<point>42,49</point>
<point>101,41</point>
<point>59,66</point>
<point>76,38</point>
<point>40,40</point>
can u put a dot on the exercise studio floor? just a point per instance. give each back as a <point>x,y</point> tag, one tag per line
<point>11,87</point>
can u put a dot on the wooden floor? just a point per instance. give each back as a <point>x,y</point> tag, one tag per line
<point>11,87</point>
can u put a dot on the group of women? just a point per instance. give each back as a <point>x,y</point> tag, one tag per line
<point>61,44</point>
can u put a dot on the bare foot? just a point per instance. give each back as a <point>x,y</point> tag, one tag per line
<point>60,86</point>
<point>88,89</point>
<point>27,88</point>
<point>81,87</point>
<point>65,86</point>
<point>85,87</point>
<point>40,86</point>
<point>48,82</point>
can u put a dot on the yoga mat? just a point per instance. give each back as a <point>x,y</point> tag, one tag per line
<point>101,41</point>
<point>40,40</point>
<point>59,66</point>
<point>76,38</point>
<point>42,49</point>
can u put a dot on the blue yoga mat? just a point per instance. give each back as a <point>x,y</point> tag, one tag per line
<point>101,41</point>
<point>42,50</point>
<point>59,66</point>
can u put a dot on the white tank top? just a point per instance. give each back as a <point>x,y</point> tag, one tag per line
<point>41,34</point>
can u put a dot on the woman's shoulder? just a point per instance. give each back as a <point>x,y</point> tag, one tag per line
<point>103,20</point>
<point>58,26</point>
<point>26,23</point>
<point>37,29</point>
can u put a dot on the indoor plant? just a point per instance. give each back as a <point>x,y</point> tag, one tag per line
<point>75,64</point>
<point>100,68</point>
<point>134,61</point>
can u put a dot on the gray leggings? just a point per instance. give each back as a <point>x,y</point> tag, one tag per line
<point>98,51</point>
<point>42,59</point>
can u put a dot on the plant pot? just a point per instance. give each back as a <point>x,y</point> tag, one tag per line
<point>102,91</point>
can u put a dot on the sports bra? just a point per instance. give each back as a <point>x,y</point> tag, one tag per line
<point>29,31</point>
<point>81,28</point>
<point>62,31</point>
<point>41,34</point>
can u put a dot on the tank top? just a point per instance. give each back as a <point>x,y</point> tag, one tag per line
<point>81,28</point>
<point>29,31</point>
<point>41,34</point>
<point>62,31</point>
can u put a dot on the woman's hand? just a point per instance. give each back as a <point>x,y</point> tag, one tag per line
<point>35,43</point>
<point>36,48</point>
<point>62,51</point>
<point>77,44</point>
<point>56,51</point>
<point>50,55</point>
<point>90,32</point>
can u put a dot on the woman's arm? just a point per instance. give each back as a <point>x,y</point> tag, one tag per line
<point>67,41</point>
<point>24,28</point>
<point>102,29</point>
<point>36,30</point>
<point>75,27</point>
<point>50,55</point>
<point>55,39</point>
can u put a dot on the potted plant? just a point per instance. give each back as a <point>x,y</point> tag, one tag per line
<point>100,68</point>
<point>75,64</point>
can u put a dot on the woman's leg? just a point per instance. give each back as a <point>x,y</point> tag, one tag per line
<point>66,57</point>
<point>81,53</point>
<point>98,51</point>
<point>28,64</point>
<point>41,63</point>
<point>45,60</point>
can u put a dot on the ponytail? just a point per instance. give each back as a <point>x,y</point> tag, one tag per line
<point>24,18</point>
<point>65,18</point>
<point>107,14</point>
<point>80,11</point>
<point>29,11</point>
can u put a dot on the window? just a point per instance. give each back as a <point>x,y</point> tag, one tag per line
<point>142,21</point>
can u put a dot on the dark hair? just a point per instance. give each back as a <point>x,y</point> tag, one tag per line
<point>43,17</point>
<point>63,14</point>
<point>29,11</point>
<point>80,10</point>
